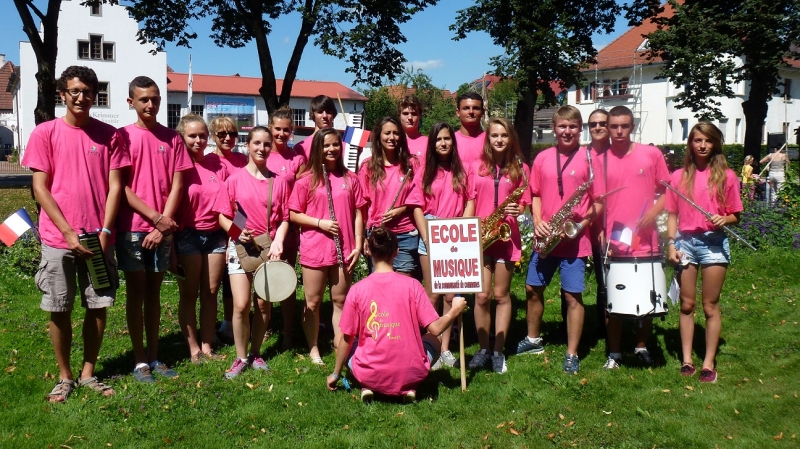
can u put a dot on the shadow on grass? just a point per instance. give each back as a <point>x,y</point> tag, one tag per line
<point>673,347</point>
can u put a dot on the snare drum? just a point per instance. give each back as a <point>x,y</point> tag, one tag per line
<point>629,283</point>
<point>274,281</point>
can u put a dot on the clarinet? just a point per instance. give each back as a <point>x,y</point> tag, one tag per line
<point>339,256</point>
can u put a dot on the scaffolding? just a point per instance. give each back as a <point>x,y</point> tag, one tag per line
<point>618,82</point>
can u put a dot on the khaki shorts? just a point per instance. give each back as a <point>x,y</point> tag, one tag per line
<point>56,279</point>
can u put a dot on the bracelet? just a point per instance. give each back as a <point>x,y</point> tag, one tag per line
<point>671,242</point>
<point>335,376</point>
<point>158,220</point>
<point>359,235</point>
<point>106,230</point>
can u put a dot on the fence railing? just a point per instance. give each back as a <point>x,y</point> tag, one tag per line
<point>12,168</point>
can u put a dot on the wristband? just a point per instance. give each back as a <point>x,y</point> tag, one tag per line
<point>319,220</point>
<point>335,376</point>
<point>106,230</point>
<point>158,220</point>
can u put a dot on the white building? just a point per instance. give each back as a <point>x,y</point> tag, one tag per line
<point>105,41</point>
<point>623,76</point>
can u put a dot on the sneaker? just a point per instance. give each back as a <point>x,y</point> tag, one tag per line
<point>611,363</point>
<point>409,397</point>
<point>499,363</point>
<point>367,395</point>
<point>163,370</point>
<point>445,359</point>
<point>256,362</point>
<point>571,364</point>
<point>143,374</point>
<point>480,359</point>
<point>708,375</point>
<point>688,369</point>
<point>644,357</point>
<point>238,366</point>
<point>528,346</point>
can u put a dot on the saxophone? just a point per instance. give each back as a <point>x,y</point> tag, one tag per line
<point>493,227</point>
<point>561,221</point>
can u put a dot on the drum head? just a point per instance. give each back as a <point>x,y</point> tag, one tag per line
<point>274,281</point>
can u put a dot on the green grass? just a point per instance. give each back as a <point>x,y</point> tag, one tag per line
<point>753,404</point>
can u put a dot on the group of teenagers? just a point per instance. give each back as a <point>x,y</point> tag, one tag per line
<point>165,204</point>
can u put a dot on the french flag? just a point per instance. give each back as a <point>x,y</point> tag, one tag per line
<point>356,136</point>
<point>625,235</point>
<point>239,223</point>
<point>14,226</point>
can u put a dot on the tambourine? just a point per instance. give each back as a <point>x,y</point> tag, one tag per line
<point>274,281</point>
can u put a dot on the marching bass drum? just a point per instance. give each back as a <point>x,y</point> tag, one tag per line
<point>274,281</point>
<point>629,283</point>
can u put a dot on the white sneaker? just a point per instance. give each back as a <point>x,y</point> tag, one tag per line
<point>367,395</point>
<point>499,363</point>
<point>611,363</point>
<point>480,359</point>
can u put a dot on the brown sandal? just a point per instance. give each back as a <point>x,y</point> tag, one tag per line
<point>61,391</point>
<point>96,385</point>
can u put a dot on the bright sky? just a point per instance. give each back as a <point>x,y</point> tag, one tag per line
<point>429,47</point>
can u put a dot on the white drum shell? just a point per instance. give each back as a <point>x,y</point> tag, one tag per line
<point>274,281</point>
<point>629,282</point>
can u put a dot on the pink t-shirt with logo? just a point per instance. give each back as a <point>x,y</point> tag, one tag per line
<point>510,251</point>
<point>77,162</point>
<point>470,149</point>
<point>689,218</point>
<point>544,184</point>
<point>155,157</point>
<point>234,161</point>
<point>302,148</point>
<point>444,201</point>
<point>251,194</point>
<point>385,311</point>
<point>201,186</point>
<point>380,196</point>
<point>285,164</point>
<point>418,147</point>
<point>639,171</point>
<point>317,248</point>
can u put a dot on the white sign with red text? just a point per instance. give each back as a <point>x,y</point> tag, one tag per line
<point>455,254</point>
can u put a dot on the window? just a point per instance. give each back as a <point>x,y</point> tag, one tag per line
<point>684,129</point>
<point>108,52</point>
<point>83,50</point>
<point>737,130</point>
<point>787,89</point>
<point>95,44</point>
<point>586,93</point>
<point>95,10</point>
<point>96,48</point>
<point>723,127</point>
<point>101,97</point>
<point>59,101</point>
<point>615,87</point>
<point>299,117</point>
<point>197,109</point>
<point>669,131</point>
<point>585,136</point>
<point>173,115</point>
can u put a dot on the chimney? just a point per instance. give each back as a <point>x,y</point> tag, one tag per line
<point>2,59</point>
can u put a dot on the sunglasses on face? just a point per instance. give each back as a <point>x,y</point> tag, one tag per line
<point>596,124</point>
<point>222,134</point>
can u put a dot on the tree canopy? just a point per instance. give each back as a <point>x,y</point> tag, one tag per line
<point>709,46</point>
<point>365,32</point>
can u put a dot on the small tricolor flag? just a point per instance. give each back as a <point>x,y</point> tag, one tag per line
<point>14,226</point>
<point>239,223</point>
<point>356,136</point>
<point>623,234</point>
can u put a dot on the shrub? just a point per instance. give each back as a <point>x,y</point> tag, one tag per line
<point>21,258</point>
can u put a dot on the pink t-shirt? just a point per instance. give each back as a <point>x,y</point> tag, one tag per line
<point>444,201</point>
<point>510,251</point>
<point>155,157</point>
<point>544,184</point>
<point>285,164</point>
<point>470,149</point>
<point>689,218</point>
<point>386,311</point>
<point>201,186</point>
<point>418,147</point>
<point>77,162</point>
<point>302,148</point>
<point>380,197</point>
<point>639,171</point>
<point>234,161</point>
<point>251,194</point>
<point>317,248</point>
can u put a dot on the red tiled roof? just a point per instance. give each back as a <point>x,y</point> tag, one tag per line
<point>245,85</point>
<point>6,98</point>
<point>491,80</point>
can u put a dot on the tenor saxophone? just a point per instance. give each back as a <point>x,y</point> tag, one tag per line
<point>493,227</point>
<point>561,222</point>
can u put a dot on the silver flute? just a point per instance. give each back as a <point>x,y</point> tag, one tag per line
<point>339,255</point>
<point>399,189</point>
<point>725,228</point>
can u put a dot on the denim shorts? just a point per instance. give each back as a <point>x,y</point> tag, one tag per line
<point>190,241</point>
<point>407,256</point>
<point>132,257</point>
<point>56,279</point>
<point>704,248</point>
<point>422,249</point>
<point>541,271</point>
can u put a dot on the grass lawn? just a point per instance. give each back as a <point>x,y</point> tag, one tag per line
<point>753,404</point>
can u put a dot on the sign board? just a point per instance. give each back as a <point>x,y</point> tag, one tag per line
<point>241,109</point>
<point>455,255</point>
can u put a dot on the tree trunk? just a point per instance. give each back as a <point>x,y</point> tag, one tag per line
<point>306,28</point>
<point>523,120</point>
<point>46,51</point>
<point>755,110</point>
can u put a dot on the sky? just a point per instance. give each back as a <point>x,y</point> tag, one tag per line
<point>429,47</point>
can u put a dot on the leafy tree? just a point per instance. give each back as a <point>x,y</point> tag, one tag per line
<point>380,105</point>
<point>543,41</point>
<point>45,47</point>
<point>503,92</point>
<point>366,32</point>
<point>709,46</point>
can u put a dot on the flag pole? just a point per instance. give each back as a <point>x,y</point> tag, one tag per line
<point>189,87</point>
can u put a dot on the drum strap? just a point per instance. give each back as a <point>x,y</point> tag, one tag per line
<point>269,199</point>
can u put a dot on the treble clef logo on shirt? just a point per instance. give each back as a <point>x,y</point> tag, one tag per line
<point>372,325</point>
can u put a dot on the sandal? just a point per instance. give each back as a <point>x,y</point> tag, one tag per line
<point>61,391</point>
<point>317,360</point>
<point>198,359</point>
<point>94,384</point>
<point>213,356</point>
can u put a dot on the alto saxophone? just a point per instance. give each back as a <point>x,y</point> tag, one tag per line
<point>493,227</point>
<point>561,221</point>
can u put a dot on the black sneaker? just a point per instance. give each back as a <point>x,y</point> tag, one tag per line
<point>644,357</point>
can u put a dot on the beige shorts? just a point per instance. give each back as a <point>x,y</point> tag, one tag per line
<point>56,279</point>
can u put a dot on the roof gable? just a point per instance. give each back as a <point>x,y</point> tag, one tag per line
<point>6,98</point>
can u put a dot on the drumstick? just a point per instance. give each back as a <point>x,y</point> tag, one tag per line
<point>461,360</point>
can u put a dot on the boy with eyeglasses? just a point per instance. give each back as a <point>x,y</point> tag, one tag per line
<point>77,164</point>
<point>153,192</point>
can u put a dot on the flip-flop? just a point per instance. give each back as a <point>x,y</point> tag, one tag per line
<point>94,384</point>
<point>61,391</point>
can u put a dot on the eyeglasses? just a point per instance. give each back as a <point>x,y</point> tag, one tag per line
<point>596,124</point>
<point>76,93</point>
<point>222,134</point>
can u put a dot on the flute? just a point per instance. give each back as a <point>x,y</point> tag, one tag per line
<point>400,189</point>
<point>339,255</point>
<point>725,228</point>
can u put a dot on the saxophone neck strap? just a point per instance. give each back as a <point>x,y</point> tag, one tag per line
<point>560,170</point>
